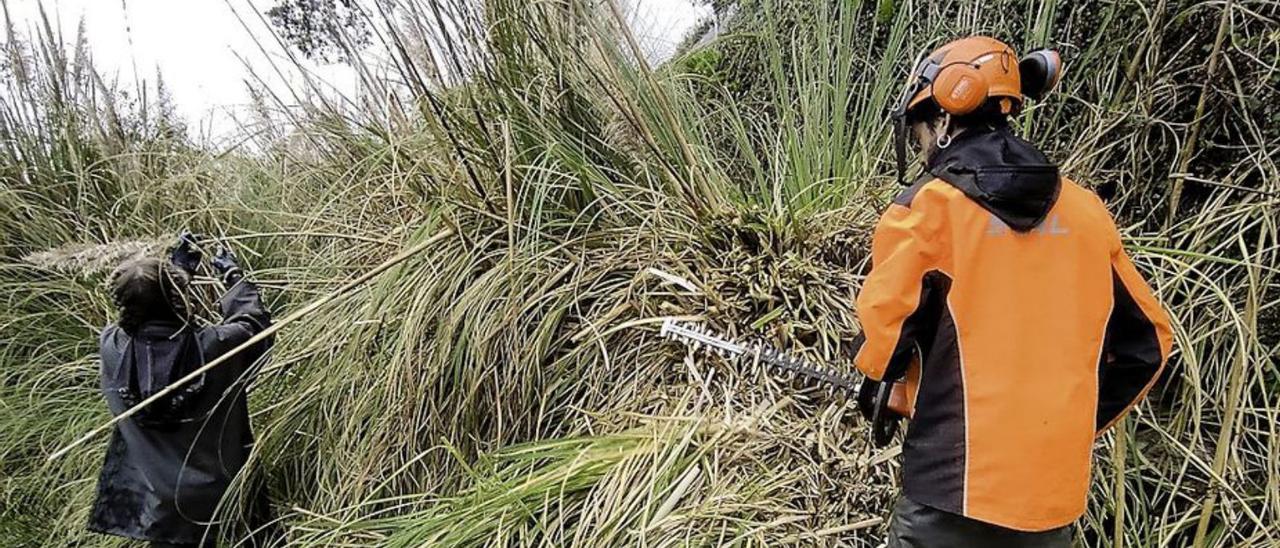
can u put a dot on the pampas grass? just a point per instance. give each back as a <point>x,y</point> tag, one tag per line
<point>507,386</point>
<point>92,259</point>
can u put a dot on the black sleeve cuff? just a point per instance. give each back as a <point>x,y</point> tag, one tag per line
<point>232,277</point>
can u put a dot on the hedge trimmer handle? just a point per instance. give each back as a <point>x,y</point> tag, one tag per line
<point>884,417</point>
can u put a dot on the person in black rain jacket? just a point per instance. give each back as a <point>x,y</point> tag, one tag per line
<point>168,466</point>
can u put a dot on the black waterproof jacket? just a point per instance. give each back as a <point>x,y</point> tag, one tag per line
<point>167,469</point>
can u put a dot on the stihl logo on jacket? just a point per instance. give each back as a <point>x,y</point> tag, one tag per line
<point>1035,331</point>
<point>1051,226</point>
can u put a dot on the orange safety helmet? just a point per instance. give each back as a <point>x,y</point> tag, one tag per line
<point>963,74</point>
<point>966,74</point>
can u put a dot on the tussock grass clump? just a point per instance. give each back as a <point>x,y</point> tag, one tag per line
<point>506,385</point>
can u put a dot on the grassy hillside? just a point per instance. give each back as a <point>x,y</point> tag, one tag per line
<point>506,385</point>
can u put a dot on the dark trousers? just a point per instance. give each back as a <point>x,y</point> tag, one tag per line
<point>919,526</point>
<point>263,529</point>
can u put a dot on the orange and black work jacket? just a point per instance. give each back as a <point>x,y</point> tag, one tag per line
<point>1034,331</point>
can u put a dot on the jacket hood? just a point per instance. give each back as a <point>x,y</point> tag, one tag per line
<point>1004,174</point>
<point>140,365</point>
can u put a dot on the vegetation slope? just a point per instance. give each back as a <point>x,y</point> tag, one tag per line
<point>506,384</point>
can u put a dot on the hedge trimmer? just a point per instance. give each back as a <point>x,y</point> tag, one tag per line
<point>884,403</point>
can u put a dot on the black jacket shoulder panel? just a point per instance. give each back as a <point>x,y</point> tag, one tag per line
<point>908,194</point>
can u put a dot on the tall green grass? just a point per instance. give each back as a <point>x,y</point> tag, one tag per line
<point>506,386</point>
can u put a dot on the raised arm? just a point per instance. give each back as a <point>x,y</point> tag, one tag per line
<point>242,306</point>
<point>243,314</point>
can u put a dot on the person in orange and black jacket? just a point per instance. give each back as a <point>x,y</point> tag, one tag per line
<point>1009,284</point>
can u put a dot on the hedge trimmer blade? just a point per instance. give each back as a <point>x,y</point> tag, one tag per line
<point>778,363</point>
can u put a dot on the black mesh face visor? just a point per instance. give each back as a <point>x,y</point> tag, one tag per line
<point>920,77</point>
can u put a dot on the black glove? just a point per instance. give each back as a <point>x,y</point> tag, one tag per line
<point>186,253</point>
<point>224,263</point>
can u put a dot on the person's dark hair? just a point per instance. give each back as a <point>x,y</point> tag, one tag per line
<point>988,115</point>
<point>149,289</point>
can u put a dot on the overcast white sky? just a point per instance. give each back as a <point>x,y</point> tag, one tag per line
<point>194,44</point>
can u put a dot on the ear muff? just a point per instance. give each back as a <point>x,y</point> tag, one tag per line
<point>1040,71</point>
<point>959,89</point>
